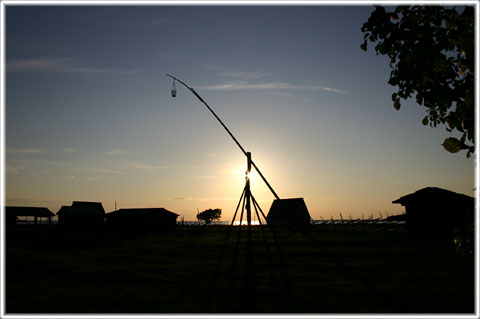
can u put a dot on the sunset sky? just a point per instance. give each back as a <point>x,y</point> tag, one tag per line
<point>89,115</point>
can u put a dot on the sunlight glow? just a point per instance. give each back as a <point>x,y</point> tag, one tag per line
<point>244,223</point>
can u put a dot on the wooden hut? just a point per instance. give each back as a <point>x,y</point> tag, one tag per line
<point>433,210</point>
<point>38,213</point>
<point>82,215</point>
<point>142,220</point>
<point>291,212</point>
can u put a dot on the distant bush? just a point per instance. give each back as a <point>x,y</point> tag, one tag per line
<point>463,238</point>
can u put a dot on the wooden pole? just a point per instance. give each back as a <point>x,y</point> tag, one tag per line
<point>229,133</point>
<point>247,189</point>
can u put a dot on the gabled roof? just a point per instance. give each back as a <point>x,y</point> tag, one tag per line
<point>140,211</point>
<point>96,205</point>
<point>433,194</point>
<point>79,211</point>
<point>28,211</point>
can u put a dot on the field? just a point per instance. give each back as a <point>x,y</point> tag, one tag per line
<point>331,270</point>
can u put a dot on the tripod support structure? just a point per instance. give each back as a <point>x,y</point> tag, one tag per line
<point>248,200</point>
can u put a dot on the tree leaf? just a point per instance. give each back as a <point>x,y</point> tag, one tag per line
<point>452,145</point>
<point>364,46</point>
<point>431,52</point>
<point>396,105</point>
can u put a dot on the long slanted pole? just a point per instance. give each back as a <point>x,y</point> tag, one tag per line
<point>228,131</point>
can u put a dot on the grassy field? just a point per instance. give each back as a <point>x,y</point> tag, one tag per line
<point>196,271</point>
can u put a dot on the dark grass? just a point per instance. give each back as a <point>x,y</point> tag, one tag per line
<point>192,271</point>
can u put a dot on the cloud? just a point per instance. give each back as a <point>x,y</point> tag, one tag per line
<point>26,151</point>
<point>245,75</point>
<point>236,73</point>
<point>61,64</point>
<point>245,85</point>
<point>18,169</point>
<point>117,152</point>
<point>333,90</point>
<point>110,171</point>
<point>70,150</point>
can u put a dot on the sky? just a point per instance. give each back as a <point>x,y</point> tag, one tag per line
<point>89,117</point>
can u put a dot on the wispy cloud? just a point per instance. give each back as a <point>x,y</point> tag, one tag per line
<point>70,150</point>
<point>235,73</point>
<point>245,75</point>
<point>18,169</point>
<point>110,171</point>
<point>325,88</point>
<point>59,64</point>
<point>26,151</point>
<point>245,85</point>
<point>117,152</point>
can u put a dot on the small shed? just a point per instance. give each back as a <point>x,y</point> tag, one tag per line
<point>434,210</point>
<point>291,212</point>
<point>82,215</point>
<point>142,220</point>
<point>38,214</point>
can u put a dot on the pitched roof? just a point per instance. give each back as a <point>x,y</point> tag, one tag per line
<point>96,205</point>
<point>28,211</point>
<point>433,194</point>
<point>79,211</point>
<point>140,211</point>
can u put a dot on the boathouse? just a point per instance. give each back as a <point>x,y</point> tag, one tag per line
<point>434,210</point>
<point>82,215</point>
<point>142,220</point>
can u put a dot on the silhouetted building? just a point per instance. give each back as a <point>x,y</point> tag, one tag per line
<point>82,215</point>
<point>13,212</point>
<point>433,210</point>
<point>290,212</point>
<point>97,205</point>
<point>142,220</point>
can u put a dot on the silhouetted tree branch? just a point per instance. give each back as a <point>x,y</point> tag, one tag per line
<point>431,51</point>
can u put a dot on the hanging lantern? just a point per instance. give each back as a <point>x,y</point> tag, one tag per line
<point>174,89</point>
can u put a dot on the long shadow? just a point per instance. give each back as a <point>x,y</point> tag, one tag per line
<point>243,291</point>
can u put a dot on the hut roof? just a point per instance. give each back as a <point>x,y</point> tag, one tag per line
<point>96,205</point>
<point>28,211</point>
<point>433,194</point>
<point>78,211</point>
<point>140,211</point>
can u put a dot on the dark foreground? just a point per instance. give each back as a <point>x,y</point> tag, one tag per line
<point>191,271</point>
